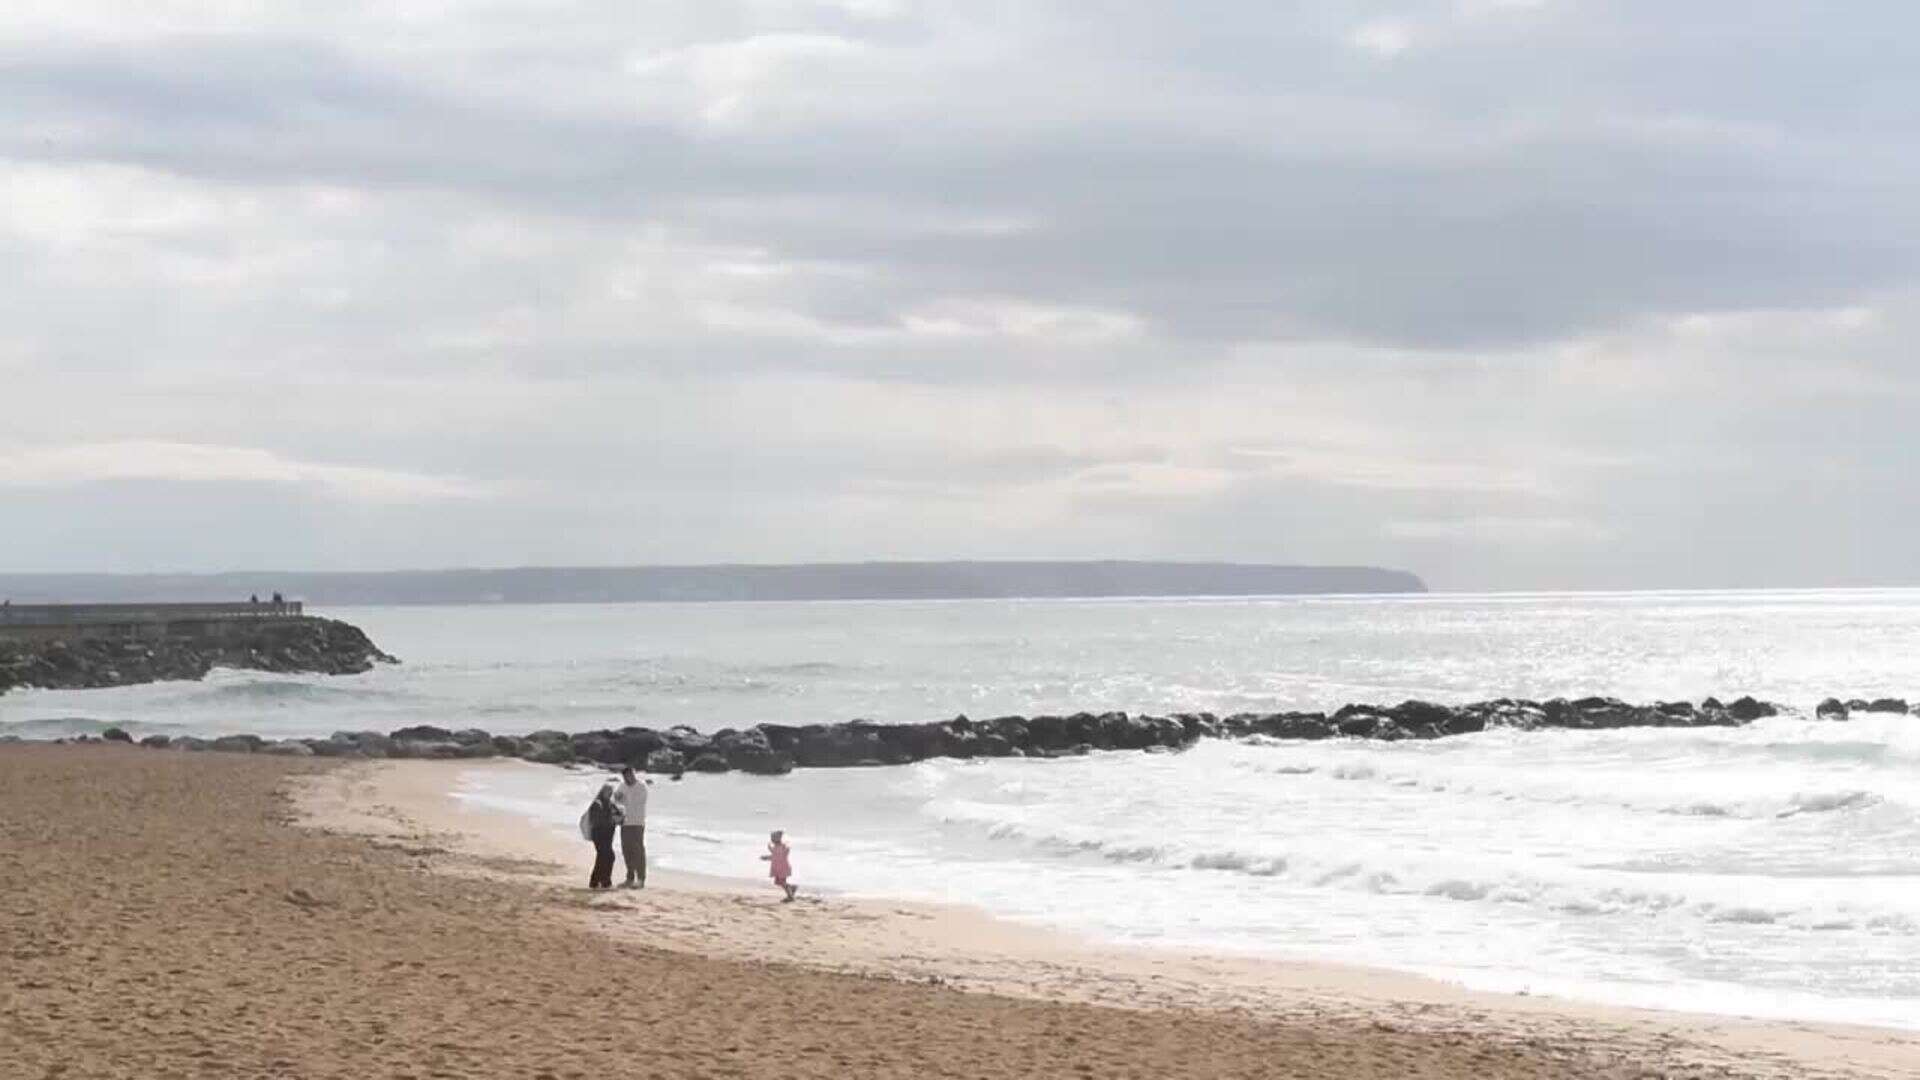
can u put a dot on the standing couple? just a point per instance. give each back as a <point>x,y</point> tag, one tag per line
<point>622,809</point>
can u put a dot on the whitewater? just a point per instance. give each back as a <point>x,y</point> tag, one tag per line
<point>1769,870</point>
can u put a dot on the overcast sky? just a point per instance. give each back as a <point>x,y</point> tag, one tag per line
<point>1510,293</point>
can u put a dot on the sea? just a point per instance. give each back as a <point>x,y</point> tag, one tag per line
<point>1771,870</point>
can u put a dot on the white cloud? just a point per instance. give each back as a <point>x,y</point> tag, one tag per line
<point>1022,320</point>
<point>84,463</point>
<point>1482,8</point>
<point>1383,37</point>
<point>1379,468</point>
<point>1501,531</point>
<point>735,80</point>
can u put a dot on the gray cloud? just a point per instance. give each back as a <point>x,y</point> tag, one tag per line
<point>1511,293</point>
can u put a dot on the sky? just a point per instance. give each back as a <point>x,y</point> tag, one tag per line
<point>1514,294</point>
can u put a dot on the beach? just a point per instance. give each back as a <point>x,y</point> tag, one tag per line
<point>188,915</point>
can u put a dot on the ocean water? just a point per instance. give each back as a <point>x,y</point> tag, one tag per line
<point>1767,870</point>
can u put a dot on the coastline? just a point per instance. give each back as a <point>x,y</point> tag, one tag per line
<point>413,804</point>
<point>184,926</point>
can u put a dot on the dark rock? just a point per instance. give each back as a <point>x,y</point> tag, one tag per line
<point>775,749</point>
<point>829,746</point>
<point>600,747</point>
<point>666,761</point>
<point>156,742</point>
<point>332,748</point>
<point>761,762</point>
<point>632,745</point>
<point>549,753</point>
<point>439,749</point>
<point>1832,709</point>
<point>1359,723</point>
<point>373,744</point>
<point>988,745</point>
<point>1887,705</point>
<point>1422,714</point>
<point>686,740</point>
<point>749,751</point>
<point>1293,725</point>
<point>114,734</point>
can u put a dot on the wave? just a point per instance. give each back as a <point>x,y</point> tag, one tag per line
<point>1517,784</point>
<point>1585,893</point>
<point>1826,802</point>
<point>291,690</point>
<point>67,727</point>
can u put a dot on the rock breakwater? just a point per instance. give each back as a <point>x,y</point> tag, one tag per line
<point>773,749</point>
<point>304,645</point>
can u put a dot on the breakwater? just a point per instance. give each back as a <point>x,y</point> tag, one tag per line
<point>88,646</point>
<point>774,749</point>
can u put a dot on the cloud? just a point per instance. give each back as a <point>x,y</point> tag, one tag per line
<point>730,80</point>
<point>1504,530</point>
<point>87,463</point>
<point>1384,37</point>
<point>866,278</point>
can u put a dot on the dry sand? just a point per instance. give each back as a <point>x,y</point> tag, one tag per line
<point>160,916</point>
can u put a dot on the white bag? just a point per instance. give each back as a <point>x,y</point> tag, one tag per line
<point>586,824</point>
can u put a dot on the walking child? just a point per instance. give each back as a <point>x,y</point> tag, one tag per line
<point>778,855</point>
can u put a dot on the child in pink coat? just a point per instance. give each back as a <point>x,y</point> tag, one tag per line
<point>778,855</point>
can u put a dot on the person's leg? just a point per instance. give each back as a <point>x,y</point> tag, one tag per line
<point>602,859</point>
<point>633,849</point>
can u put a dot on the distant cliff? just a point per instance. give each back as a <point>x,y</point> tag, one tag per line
<point>809,581</point>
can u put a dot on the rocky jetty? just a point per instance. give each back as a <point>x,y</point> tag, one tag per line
<point>773,749</point>
<point>1835,709</point>
<point>304,644</point>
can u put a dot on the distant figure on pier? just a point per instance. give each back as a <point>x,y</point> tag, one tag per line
<point>279,601</point>
<point>254,599</point>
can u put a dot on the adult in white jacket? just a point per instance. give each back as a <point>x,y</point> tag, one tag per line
<point>631,795</point>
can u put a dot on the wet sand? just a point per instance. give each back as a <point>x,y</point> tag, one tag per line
<point>179,915</point>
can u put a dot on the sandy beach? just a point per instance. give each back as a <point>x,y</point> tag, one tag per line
<point>189,915</point>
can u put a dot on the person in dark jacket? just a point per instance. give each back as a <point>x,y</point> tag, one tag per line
<point>603,820</point>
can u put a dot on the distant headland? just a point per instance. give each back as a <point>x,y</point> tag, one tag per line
<point>726,582</point>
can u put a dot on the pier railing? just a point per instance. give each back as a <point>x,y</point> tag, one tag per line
<point>80,615</point>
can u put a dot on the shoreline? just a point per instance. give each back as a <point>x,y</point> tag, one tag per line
<point>414,803</point>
